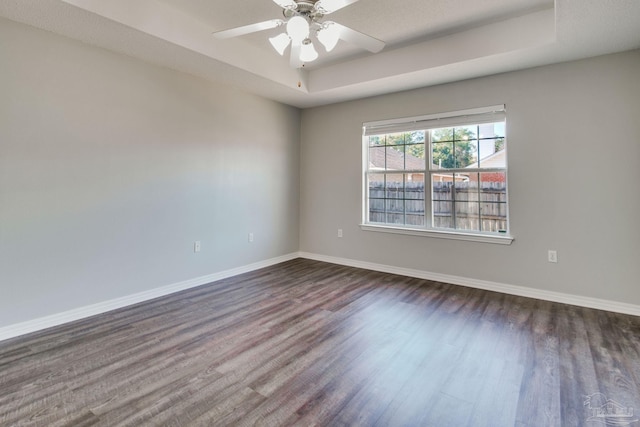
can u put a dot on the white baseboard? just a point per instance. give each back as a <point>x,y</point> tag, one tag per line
<point>34,325</point>
<point>600,304</point>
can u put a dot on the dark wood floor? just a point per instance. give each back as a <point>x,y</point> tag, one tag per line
<point>308,343</point>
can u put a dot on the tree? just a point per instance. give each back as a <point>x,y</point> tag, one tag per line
<point>410,143</point>
<point>453,150</point>
<point>450,150</point>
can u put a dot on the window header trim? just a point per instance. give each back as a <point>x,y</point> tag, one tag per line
<point>495,113</point>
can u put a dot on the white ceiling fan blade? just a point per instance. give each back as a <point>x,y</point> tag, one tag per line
<point>359,39</point>
<point>295,60</point>
<point>248,29</point>
<point>330,6</point>
<point>286,4</point>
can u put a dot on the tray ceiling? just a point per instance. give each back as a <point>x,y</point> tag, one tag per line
<point>427,42</point>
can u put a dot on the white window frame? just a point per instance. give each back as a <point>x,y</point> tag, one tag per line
<point>473,116</point>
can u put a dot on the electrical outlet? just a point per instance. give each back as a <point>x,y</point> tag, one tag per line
<point>553,256</point>
<point>339,232</point>
<point>250,238</point>
<point>196,246</point>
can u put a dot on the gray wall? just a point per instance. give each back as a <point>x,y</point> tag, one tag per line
<point>111,168</point>
<point>573,152</point>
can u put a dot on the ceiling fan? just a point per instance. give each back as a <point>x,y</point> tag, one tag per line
<point>303,19</point>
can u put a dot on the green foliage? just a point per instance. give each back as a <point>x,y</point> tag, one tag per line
<point>416,150</point>
<point>454,150</point>
<point>376,140</point>
<point>411,143</point>
<point>450,150</point>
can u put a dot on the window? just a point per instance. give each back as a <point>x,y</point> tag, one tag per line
<point>444,175</point>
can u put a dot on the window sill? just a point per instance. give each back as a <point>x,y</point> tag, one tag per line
<point>441,234</point>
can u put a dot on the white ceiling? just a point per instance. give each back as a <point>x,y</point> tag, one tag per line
<point>428,41</point>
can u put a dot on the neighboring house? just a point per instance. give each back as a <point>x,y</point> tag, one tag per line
<point>397,160</point>
<point>495,160</point>
<point>388,158</point>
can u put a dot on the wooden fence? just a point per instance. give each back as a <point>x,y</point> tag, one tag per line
<point>478,206</point>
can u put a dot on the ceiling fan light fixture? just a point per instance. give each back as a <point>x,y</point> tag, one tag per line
<point>280,42</point>
<point>304,20</point>
<point>329,35</point>
<point>308,53</point>
<point>298,29</point>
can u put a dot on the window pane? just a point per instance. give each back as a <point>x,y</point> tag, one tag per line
<point>415,212</point>
<point>442,155</point>
<point>377,158</point>
<point>415,137</point>
<point>493,201</point>
<point>397,198</point>
<point>415,197</point>
<point>442,200</point>
<point>467,205</point>
<point>444,217</point>
<point>466,133</point>
<point>395,211</point>
<point>396,139</point>
<point>465,146</point>
<point>491,130</point>
<point>466,153</point>
<point>395,186</point>
<point>376,185</point>
<point>414,186</point>
<point>376,198</point>
<point>395,157</point>
<point>491,146</point>
<point>454,147</point>
<point>414,157</point>
<point>492,153</point>
<point>442,135</point>
<point>376,140</point>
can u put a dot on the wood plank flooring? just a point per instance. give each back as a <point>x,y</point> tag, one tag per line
<point>307,343</point>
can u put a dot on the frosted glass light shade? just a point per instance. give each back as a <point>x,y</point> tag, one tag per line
<point>329,36</point>
<point>280,42</point>
<point>298,29</point>
<point>308,53</point>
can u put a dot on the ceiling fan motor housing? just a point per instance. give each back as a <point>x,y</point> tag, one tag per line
<point>305,8</point>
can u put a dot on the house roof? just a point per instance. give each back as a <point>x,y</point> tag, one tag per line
<point>495,160</point>
<point>395,160</point>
